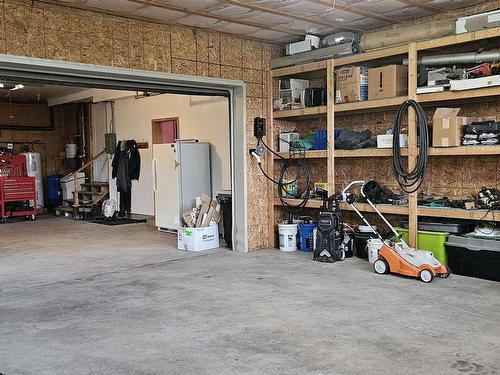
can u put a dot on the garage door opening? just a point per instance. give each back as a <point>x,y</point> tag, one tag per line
<point>86,110</point>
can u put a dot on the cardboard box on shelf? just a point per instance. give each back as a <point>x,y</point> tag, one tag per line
<point>198,239</point>
<point>448,127</point>
<point>387,81</point>
<point>351,84</point>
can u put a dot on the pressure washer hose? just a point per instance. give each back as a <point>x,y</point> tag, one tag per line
<point>410,181</point>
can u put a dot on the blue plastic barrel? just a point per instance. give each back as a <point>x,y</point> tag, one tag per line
<point>54,192</point>
<point>306,236</point>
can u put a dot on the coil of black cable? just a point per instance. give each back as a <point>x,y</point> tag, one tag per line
<point>410,181</point>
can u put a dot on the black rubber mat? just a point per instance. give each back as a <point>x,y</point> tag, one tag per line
<point>118,221</point>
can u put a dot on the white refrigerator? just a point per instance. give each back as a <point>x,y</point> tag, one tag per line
<point>181,172</point>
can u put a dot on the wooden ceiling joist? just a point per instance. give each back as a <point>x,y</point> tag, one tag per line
<point>354,9</point>
<point>129,16</point>
<point>420,4</point>
<point>217,17</point>
<point>310,19</point>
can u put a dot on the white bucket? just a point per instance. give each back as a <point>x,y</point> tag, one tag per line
<point>71,150</point>
<point>288,237</point>
<point>373,245</point>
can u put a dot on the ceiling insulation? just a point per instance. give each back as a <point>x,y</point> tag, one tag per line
<point>276,20</point>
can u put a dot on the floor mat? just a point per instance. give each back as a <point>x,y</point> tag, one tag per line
<point>118,221</point>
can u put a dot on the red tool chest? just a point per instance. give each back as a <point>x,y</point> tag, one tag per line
<point>16,187</point>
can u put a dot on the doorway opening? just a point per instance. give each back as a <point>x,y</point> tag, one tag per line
<point>165,130</point>
<point>91,77</point>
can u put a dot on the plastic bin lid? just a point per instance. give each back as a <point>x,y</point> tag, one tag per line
<point>473,244</point>
<point>431,233</point>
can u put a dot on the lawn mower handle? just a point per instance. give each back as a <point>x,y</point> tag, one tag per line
<point>362,183</point>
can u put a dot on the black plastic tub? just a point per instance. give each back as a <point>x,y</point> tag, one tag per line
<point>474,257</point>
<point>360,241</point>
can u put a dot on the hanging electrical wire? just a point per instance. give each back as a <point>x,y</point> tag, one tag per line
<point>297,165</point>
<point>410,181</point>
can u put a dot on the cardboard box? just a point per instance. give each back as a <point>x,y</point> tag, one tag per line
<point>448,127</point>
<point>387,81</point>
<point>351,84</point>
<point>198,239</point>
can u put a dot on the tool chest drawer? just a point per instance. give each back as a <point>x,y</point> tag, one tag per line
<point>17,188</point>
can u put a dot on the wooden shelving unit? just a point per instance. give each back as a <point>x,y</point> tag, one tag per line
<point>360,153</point>
<point>325,69</point>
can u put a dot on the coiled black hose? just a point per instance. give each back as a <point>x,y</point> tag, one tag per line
<point>303,172</point>
<point>410,181</point>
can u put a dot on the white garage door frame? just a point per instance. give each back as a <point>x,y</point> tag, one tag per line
<point>96,76</point>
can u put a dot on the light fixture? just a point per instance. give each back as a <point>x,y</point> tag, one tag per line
<point>19,86</point>
<point>2,85</point>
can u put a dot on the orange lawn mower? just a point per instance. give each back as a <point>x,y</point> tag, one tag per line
<point>395,256</point>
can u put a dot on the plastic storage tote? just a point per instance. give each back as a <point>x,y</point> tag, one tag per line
<point>320,140</point>
<point>306,233</point>
<point>54,191</point>
<point>474,257</point>
<point>431,241</point>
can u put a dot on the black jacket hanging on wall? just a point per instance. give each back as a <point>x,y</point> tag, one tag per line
<point>126,165</point>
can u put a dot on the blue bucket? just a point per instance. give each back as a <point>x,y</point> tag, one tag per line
<point>306,236</point>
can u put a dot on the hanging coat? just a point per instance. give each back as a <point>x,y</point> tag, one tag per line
<point>126,165</point>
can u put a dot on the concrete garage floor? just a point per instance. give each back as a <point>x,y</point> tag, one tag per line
<point>80,298</point>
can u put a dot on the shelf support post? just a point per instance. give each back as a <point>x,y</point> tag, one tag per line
<point>330,125</point>
<point>412,142</point>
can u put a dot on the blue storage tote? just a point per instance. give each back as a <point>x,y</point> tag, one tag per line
<point>306,236</point>
<point>320,140</point>
<point>54,191</point>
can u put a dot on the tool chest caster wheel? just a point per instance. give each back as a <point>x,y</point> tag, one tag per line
<point>2,220</point>
<point>32,217</point>
<point>426,276</point>
<point>381,267</point>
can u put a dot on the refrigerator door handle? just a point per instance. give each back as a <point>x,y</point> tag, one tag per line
<point>155,181</point>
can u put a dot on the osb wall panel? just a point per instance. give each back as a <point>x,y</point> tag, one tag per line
<point>57,32</point>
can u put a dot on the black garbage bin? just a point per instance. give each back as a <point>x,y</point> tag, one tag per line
<point>360,242</point>
<point>226,202</point>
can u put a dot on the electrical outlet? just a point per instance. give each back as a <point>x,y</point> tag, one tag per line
<point>259,127</point>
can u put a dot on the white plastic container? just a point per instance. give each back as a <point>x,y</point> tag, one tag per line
<point>385,140</point>
<point>69,187</point>
<point>71,150</point>
<point>288,237</point>
<point>373,245</point>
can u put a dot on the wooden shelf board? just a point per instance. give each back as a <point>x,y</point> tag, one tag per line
<point>372,55</point>
<point>458,39</point>
<point>302,112</point>
<point>458,95</point>
<point>465,150</point>
<point>359,153</point>
<point>313,154</point>
<point>458,213</point>
<point>367,153</point>
<point>384,208</point>
<point>311,203</point>
<point>300,69</point>
<point>369,104</point>
<point>363,207</point>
